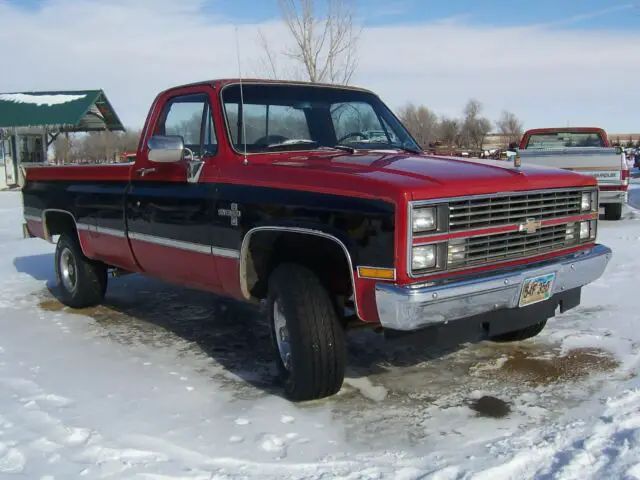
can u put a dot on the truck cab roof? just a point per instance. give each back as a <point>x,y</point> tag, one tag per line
<point>222,82</point>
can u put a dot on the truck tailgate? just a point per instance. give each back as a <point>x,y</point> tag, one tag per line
<point>605,164</point>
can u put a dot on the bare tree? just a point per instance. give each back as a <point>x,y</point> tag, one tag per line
<point>324,44</point>
<point>474,127</point>
<point>421,122</point>
<point>94,147</point>
<point>630,142</point>
<point>62,148</point>
<point>449,131</point>
<point>510,127</point>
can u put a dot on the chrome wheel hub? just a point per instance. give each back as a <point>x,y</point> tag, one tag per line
<point>282,334</point>
<point>68,270</point>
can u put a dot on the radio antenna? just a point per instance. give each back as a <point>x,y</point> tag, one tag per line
<point>241,109</point>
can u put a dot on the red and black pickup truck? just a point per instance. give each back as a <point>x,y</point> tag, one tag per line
<point>272,192</point>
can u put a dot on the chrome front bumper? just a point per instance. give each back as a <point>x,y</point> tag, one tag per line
<point>613,196</point>
<point>411,307</point>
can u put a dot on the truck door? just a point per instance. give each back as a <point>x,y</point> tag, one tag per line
<point>170,219</point>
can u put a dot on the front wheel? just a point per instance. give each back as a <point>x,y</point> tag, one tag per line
<point>519,335</point>
<point>82,282</point>
<point>307,334</point>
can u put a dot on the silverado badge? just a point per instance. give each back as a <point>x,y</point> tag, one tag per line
<point>232,212</point>
<point>531,225</point>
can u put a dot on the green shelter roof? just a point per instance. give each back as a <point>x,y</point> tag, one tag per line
<point>64,111</point>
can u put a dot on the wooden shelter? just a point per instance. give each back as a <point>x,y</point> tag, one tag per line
<point>31,121</point>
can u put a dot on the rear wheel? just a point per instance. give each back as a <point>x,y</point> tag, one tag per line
<point>307,334</point>
<point>613,211</point>
<point>82,282</point>
<point>519,335</point>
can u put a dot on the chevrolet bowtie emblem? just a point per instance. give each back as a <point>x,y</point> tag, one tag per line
<point>531,225</point>
<point>232,212</point>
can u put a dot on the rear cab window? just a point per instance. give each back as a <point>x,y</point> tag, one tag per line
<point>564,140</point>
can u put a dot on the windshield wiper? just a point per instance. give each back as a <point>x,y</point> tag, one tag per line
<point>292,142</point>
<point>344,148</point>
<point>312,144</point>
<point>407,149</point>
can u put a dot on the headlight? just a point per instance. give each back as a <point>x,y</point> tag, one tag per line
<point>584,230</point>
<point>423,257</point>
<point>423,219</point>
<point>587,201</point>
<point>588,230</point>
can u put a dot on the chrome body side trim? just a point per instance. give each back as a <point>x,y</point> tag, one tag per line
<point>182,245</point>
<point>410,307</point>
<point>101,230</point>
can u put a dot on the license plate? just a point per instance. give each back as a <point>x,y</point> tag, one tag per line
<point>536,289</point>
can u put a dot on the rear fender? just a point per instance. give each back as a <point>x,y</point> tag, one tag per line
<point>50,229</point>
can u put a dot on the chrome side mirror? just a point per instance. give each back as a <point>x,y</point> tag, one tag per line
<point>166,148</point>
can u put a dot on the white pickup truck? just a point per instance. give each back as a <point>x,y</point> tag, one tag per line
<point>584,150</point>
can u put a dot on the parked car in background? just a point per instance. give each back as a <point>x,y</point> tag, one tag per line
<point>585,150</point>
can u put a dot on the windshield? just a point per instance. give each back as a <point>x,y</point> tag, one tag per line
<point>565,139</point>
<point>307,117</point>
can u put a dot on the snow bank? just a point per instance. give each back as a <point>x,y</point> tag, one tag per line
<point>116,392</point>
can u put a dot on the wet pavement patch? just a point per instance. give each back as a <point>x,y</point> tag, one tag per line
<point>573,365</point>
<point>52,305</point>
<point>488,406</point>
<point>97,313</point>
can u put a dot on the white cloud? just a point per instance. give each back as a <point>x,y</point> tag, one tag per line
<point>135,48</point>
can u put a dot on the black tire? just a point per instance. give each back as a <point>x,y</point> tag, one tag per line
<point>520,335</point>
<point>613,211</point>
<point>86,285</point>
<point>317,340</point>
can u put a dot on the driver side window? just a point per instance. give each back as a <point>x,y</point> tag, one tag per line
<point>190,117</point>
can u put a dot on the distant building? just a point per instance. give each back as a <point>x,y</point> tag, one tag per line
<point>31,121</point>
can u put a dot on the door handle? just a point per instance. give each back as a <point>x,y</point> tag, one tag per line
<point>143,171</point>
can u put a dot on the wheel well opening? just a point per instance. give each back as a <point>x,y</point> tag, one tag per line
<point>324,256</point>
<point>57,223</point>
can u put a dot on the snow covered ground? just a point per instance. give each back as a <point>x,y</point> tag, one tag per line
<point>167,383</point>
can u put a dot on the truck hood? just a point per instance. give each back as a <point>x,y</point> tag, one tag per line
<point>435,176</point>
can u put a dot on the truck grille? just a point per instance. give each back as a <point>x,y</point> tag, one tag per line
<point>494,248</point>
<point>495,211</point>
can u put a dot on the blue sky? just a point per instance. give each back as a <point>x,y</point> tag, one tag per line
<point>551,62</point>
<point>573,14</point>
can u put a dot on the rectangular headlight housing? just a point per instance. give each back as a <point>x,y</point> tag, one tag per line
<point>584,230</point>
<point>427,258</point>
<point>423,257</point>
<point>428,219</point>
<point>424,219</point>
<point>588,201</point>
